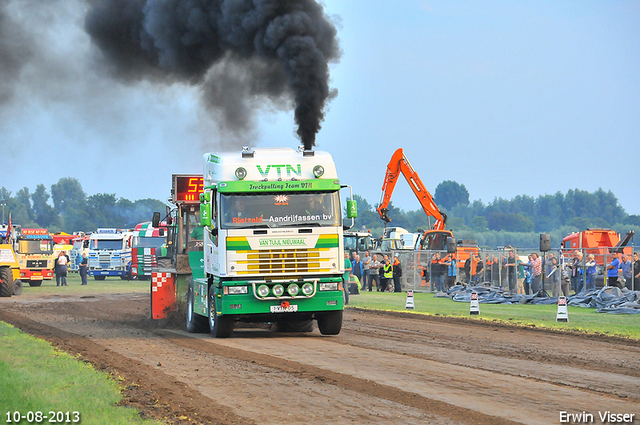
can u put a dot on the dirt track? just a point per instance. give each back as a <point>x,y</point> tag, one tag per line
<point>382,368</point>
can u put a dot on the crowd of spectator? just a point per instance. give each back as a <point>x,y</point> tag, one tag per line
<point>559,275</point>
<point>369,272</point>
<point>573,272</point>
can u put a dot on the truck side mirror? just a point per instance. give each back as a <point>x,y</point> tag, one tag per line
<point>207,209</point>
<point>205,214</point>
<point>155,222</point>
<point>451,245</point>
<point>352,209</point>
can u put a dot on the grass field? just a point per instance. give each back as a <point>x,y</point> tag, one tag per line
<point>543,316</point>
<point>36,377</point>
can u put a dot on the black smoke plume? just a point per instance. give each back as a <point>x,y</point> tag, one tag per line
<point>16,49</point>
<point>239,51</point>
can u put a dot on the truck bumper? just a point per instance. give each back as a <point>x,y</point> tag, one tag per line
<point>107,272</point>
<point>36,274</point>
<point>248,304</point>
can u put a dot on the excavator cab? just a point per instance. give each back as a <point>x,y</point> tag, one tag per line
<point>435,240</point>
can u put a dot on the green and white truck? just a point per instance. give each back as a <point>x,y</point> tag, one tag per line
<point>273,247</point>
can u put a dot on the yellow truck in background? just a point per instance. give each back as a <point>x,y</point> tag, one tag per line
<point>10,283</point>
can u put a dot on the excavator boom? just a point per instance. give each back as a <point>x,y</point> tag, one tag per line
<point>400,164</point>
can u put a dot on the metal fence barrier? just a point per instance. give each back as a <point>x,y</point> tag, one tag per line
<point>430,271</point>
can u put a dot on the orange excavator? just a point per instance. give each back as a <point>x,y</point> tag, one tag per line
<point>434,238</point>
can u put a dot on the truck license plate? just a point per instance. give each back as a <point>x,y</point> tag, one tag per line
<point>280,309</point>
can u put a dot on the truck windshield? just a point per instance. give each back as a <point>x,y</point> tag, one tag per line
<point>108,244</point>
<point>147,242</point>
<point>35,246</point>
<point>279,210</point>
<point>350,243</point>
<point>357,243</point>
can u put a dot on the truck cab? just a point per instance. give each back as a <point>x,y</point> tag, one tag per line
<point>273,242</point>
<point>80,246</point>
<point>358,241</point>
<point>148,244</point>
<point>110,253</point>
<point>34,251</point>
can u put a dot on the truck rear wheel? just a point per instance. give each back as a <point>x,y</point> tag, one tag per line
<point>330,323</point>
<point>6,282</point>
<point>17,287</point>
<point>219,326</point>
<point>195,322</point>
<point>34,283</point>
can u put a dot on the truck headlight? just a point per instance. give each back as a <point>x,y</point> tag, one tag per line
<point>318,171</point>
<point>329,286</point>
<point>263,290</point>
<point>293,289</point>
<point>307,288</point>
<point>235,290</point>
<point>278,290</point>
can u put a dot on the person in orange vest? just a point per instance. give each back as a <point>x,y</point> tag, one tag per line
<point>436,272</point>
<point>397,274</point>
<point>474,267</point>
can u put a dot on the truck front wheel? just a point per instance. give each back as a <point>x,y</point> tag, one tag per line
<point>195,322</point>
<point>330,323</point>
<point>6,282</point>
<point>220,326</point>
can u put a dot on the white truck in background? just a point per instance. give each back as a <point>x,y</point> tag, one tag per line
<point>110,253</point>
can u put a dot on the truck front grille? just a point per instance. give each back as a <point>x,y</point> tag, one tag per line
<point>278,261</point>
<point>40,264</point>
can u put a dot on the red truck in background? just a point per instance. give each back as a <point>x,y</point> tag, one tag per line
<point>602,243</point>
<point>34,251</point>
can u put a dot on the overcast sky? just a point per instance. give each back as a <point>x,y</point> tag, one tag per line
<point>507,98</point>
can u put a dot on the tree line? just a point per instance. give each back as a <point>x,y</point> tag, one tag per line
<point>67,208</point>
<point>503,222</point>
